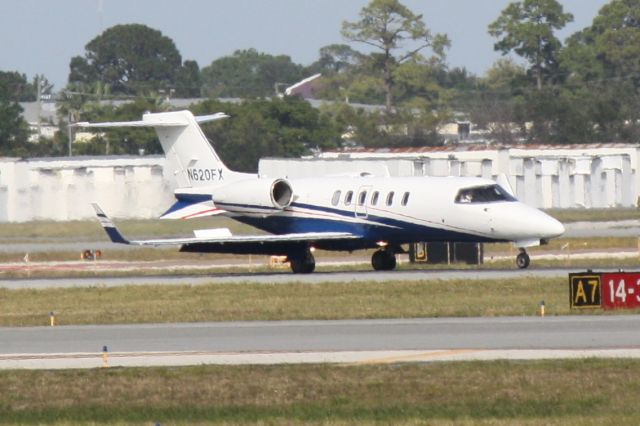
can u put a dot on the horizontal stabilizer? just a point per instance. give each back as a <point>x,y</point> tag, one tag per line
<point>152,120</point>
<point>212,117</point>
<point>188,153</point>
<point>140,123</point>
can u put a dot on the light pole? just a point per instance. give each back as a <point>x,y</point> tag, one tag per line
<point>39,84</point>
<point>70,132</point>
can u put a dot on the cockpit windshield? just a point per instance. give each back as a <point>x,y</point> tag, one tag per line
<point>483,194</point>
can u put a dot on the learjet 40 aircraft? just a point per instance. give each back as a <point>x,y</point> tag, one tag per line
<point>329,213</point>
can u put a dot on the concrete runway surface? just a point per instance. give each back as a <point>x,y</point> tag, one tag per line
<point>346,341</point>
<point>285,277</point>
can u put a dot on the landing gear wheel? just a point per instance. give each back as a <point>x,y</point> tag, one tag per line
<point>522,260</point>
<point>383,260</point>
<point>303,265</point>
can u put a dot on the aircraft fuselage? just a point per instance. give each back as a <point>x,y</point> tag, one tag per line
<point>398,211</point>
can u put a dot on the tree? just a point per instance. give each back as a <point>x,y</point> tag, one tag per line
<point>603,64</point>
<point>345,75</point>
<point>131,59</point>
<point>189,83</point>
<point>527,27</point>
<point>504,75</point>
<point>13,86</point>
<point>287,127</point>
<point>335,59</point>
<point>249,74</point>
<point>610,47</point>
<point>386,25</point>
<point>13,129</point>
<point>16,87</point>
<point>497,104</point>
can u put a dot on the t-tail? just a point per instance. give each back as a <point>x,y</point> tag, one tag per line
<point>194,163</point>
<point>190,157</point>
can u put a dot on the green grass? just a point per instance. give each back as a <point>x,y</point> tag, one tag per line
<point>567,245</point>
<point>573,392</point>
<point>137,254</point>
<point>90,230</point>
<point>235,302</point>
<point>594,215</point>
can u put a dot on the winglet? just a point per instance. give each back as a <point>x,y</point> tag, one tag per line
<point>109,227</point>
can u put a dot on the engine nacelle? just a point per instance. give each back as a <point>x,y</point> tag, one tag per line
<point>252,193</point>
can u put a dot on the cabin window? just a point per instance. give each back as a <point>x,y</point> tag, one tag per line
<point>483,194</point>
<point>362,197</point>
<point>336,197</point>
<point>405,199</point>
<point>390,198</point>
<point>348,197</point>
<point>374,198</point>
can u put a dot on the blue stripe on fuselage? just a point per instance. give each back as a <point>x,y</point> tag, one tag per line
<point>373,228</point>
<point>386,228</point>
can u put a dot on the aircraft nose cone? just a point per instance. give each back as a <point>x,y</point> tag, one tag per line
<point>553,228</point>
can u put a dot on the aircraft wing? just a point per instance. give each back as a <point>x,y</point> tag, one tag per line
<point>218,240</point>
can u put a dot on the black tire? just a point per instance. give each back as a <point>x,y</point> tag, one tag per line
<point>391,262</point>
<point>523,260</point>
<point>383,260</point>
<point>304,265</point>
<point>377,260</point>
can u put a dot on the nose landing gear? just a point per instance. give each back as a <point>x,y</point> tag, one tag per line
<point>523,260</point>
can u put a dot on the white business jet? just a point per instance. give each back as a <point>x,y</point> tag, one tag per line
<point>329,213</point>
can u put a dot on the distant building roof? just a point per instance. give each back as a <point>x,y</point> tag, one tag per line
<point>467,147</point>
<point>305,88</point>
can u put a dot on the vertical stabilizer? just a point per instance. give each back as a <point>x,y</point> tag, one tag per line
<point>190,157</point>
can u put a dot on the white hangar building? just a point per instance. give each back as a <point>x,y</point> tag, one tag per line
<point>63,188</point>
<point>577,176</point>
<point>544,176</point>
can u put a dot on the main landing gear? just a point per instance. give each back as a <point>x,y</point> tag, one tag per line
<point>383,260</point>
<point>522,260</point>
<point>303,263</point>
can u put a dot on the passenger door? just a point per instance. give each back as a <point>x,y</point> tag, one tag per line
<point>361,200</point>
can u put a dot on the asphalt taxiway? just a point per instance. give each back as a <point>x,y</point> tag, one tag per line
<point>346,341</point>
<point>284,277</point>
<point>281,278</point>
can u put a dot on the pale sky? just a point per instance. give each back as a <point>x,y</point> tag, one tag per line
<point>41,36</point>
